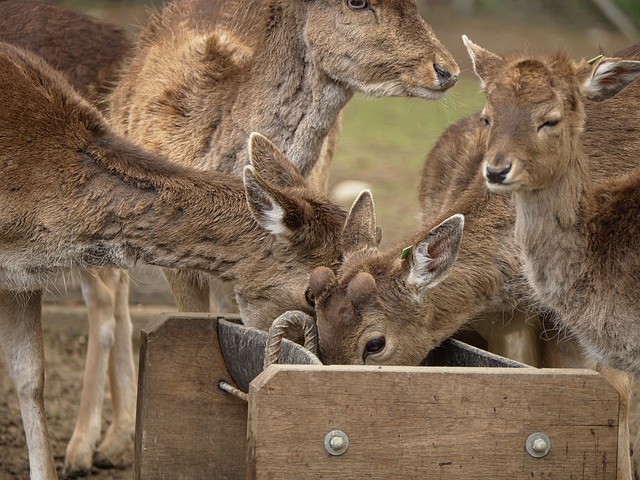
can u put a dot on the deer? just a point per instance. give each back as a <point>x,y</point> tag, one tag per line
<point>590,277</point>
<point>90,53</point>
<point>369,311</point>
<point>76,194</point>
<point>206,73</point>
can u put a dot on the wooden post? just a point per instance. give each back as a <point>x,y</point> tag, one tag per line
<point>438,422</point>
<point>186,427</point>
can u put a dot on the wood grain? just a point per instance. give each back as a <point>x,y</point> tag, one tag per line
<point>186,427</point>
<point>421,422</point>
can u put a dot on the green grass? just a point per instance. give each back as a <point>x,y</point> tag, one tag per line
<point>384,142</point>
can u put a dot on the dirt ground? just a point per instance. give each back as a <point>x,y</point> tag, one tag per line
<point>65,334</point>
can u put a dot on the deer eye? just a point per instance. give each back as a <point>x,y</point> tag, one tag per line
<point>485,121</point>
<point>357,4</point>
<point>549,124</point>
<point>310,297</point>
<point>374,345</point>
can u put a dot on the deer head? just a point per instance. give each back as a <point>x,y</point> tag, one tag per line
<point>306,230</point>
<point>372,311</point>
<point>534,112</point>
<point>380,47</point>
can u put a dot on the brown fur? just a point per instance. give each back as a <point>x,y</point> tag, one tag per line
<point>207,73</point>
<point>89,52</point>
<point>131,196</point>
<point>76,194</point>
<point>590,276</point>
<point>201,81</point>
<point>486,278</point>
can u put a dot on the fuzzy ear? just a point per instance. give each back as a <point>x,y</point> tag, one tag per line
<point>271,164</point>
<point>360,228</point>
<point>484,62</point>
<point>432,257</point>
<point>272,209</point>
<point>608,77</point>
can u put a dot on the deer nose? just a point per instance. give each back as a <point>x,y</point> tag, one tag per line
<point>497,175</point>
<point>445,78</point>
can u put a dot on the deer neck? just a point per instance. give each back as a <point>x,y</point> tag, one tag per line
<point>550,231</point>
<point>170,217</point>
<point>285,96</point>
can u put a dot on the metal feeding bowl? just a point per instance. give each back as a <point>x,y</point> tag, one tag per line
<point>247,351</point>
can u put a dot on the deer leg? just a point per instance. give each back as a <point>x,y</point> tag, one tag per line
<point>116,449</point>
<point>99,295</point>
<point>22,342</point>
<point>636,457</point>
<point>622,382</point>
<point>190,289</point>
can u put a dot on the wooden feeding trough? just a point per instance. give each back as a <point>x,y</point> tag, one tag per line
<point>478,417</point>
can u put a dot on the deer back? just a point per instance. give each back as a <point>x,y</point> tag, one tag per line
<point>90,52</point>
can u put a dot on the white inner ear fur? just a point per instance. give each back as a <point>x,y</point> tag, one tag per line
<point>273,219</point>
<point>592,85</point>
<point>419,275</point>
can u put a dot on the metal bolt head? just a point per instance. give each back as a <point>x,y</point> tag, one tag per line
<point>336,442</point>
<point>538,445</point>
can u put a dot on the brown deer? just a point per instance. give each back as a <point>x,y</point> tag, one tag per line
<point>208,72</point>
<point>76,194</point>
<point>485,289</point>
<point>89,53</point>
<point>535,117</point>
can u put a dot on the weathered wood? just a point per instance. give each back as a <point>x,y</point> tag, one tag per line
<point>420,422</point>
<point>186,427</point>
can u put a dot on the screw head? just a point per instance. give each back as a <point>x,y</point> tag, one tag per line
<point>538,445</point>
<point>336,442</point>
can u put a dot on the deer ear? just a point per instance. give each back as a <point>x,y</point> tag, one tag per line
<point>360,228</point>
<point>272,209</point>
<point>271,164</point>
<point>432,257</point>
<point>484,62</point>
<point>608,77</point>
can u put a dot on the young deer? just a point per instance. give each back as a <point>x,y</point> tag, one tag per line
<point>208,72</point>
<point>89,53</point>
<point>485,286</point>
<point>76,194</point>
<point>580,243</point>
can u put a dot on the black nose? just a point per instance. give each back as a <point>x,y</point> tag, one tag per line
<point>444,76</point>
<point>497,175</point>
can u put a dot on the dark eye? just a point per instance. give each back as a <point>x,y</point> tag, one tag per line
<point>374,345</point>
<point>549,124</point>
<point>310,297</point>
<point>357,4</point>
<point>485,121</point>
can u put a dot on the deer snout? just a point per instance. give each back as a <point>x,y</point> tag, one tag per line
<point>498,174</point>
<point>445,77</point>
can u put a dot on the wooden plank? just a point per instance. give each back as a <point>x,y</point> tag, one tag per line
<point>431,422</point>
<point>186,427</point>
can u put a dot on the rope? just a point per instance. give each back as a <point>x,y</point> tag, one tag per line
<point>286,321</point>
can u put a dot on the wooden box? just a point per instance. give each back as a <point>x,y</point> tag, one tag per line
<point>400,422</point>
